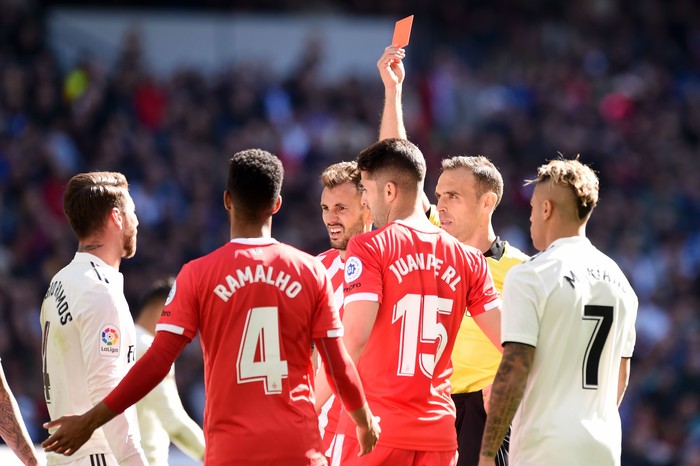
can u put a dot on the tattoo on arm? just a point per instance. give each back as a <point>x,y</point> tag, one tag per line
<point>12,427</point>
<point>506,394</point>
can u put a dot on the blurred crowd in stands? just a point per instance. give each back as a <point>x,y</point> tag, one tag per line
<point>616,81</point>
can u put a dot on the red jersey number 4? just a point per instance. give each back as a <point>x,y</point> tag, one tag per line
<point>261,333</point>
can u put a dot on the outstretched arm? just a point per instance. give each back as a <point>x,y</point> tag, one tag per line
<point>148,371</point>
<point>506,394</point>
<point>342,375</point>
<point>392,72</point>
<point>12,429</point>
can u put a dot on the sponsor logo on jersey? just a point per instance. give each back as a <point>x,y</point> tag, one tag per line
<point>171,295</point>
<point>353,269</point>
<point>109,340</point>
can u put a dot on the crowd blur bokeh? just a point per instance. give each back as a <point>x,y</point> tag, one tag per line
<point>517,81</point>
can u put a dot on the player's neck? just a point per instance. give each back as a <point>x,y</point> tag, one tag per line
<point>482,239</point>
<point>110,252</point>
<point>251,230</point>
<point>564,230</point>
<point>410,211</point>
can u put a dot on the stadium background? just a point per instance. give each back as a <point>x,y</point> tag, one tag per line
<point>517,80</point>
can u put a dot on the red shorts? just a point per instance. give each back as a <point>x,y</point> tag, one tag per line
<point>385,456</point>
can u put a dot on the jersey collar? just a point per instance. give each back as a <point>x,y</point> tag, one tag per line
<point>254,241</point>
<point>87,257</point>
<point>430,228</point>
<point>497,249</point>
<point>569,240</point>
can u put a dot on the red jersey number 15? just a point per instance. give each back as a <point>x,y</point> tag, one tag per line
<point>419,323</point>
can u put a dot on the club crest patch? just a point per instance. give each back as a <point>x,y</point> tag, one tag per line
<point>110,340</point>
<point>171,295</point>
<point>353,269</point>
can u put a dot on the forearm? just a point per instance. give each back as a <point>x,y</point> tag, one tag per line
<point>148,371</point>
<point>392,117</point>
<point>623,379</point>
<point>322,388</point>
<point>341,373</point>
<point>12,429</point>
<point>362,416</point>
<point>506,394</point>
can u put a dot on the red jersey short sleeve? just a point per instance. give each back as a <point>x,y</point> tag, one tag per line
<point>482,295</point>
<point>423,280</point>
<point>257,304</point>
<point>181,311</point>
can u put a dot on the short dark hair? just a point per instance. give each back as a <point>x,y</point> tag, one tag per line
<point>90,197</point>
<point>487,176</point>
<point>398,159</point>
<point>341,173</point>
<point>254,182</point>
<point>159,290</point>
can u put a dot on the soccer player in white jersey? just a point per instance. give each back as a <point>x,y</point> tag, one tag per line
<point>568,336</point>
<point>162,418</point>
<point>89,342</point>
<point>344,216</point>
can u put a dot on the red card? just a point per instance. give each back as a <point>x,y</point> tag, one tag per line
<point>402,31</point>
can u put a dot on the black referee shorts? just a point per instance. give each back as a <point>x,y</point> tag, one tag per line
<point>471,419</point>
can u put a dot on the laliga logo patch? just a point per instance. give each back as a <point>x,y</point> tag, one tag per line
<point>109,341</point>
<point>171,295</point>
<point>353,269</point>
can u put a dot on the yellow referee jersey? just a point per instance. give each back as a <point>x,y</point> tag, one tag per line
<point>474,357</point>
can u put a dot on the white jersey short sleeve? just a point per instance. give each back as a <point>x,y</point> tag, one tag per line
<point>88,345</point>
<point>575,306</point>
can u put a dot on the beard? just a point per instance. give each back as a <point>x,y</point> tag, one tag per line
<point>352,230</point>
<point>129,244</point>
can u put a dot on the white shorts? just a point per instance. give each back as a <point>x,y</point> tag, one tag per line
<point>96,459</point>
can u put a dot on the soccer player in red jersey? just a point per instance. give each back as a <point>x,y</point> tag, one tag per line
<point>407,285</point>
<point>344,216</point>
<point>257,304</point>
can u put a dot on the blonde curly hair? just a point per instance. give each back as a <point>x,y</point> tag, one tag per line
<point>571,174</point>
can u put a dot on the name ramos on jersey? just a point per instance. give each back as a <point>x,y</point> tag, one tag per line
<point>57,291</point>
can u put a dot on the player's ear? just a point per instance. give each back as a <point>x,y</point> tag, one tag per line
<point>390,191</point>
<point>488,201</point>
<point>278,204</point>
<point>227,201</point>
<point>115,216</point>
<point>547,209</point>
<point>366,218</point>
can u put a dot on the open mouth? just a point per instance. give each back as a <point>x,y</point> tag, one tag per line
<point>335,232</point>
